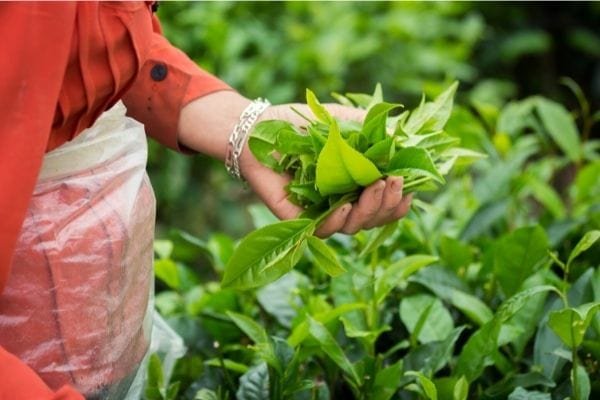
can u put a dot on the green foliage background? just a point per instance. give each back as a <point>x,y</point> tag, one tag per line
<point>278,49</point>
<point>460,287</point>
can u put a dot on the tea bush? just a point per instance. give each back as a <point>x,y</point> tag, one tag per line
<point>488,289</point>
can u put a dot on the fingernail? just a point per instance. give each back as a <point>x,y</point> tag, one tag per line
<point>379,188</point>
<point>345,209</point>
<point>397,184</point>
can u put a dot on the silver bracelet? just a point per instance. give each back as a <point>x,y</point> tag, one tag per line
<point>240,132</point>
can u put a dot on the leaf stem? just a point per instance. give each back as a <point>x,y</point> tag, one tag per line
<point>228,379</point>
<point>294,109</point>
<point>415,183</point>
<point>373,318</point>
<point>348,198</point>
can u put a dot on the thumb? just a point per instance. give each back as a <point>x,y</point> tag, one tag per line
<point>346,113</point>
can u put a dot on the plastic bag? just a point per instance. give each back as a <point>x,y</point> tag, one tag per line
<point>77,306</point>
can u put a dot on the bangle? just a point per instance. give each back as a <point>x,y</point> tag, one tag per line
<point>237,139</point>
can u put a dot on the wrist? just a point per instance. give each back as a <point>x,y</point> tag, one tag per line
<point>239,136</point>
<point>206,123</point>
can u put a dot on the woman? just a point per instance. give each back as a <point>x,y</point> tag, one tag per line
<point>64,65</point>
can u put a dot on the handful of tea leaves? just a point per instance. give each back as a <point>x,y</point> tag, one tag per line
<point>330,163</point>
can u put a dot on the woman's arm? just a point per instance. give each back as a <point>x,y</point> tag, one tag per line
<point>206,123</point>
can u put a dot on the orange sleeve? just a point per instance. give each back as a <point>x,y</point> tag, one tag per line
<point>31,78</point>
<point>168,81</point>
<point>19,382</point>
<point>32,75</point>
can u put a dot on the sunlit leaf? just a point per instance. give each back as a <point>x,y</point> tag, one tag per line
<point>317,108</point>
<point>585,243</point>
<point>570,324</point>
<point>560,126</point>
<point>437,323</point>
<point>413,160</point>
<point>340,168</point>
<point>325,257</point>
<point>374,126</point>
<point>266,254</point>
<point>333,350</point>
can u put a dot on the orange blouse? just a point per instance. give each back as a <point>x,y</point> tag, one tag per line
<point>62,65</point>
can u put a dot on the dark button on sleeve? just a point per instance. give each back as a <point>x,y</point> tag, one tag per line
<point>158,72</point>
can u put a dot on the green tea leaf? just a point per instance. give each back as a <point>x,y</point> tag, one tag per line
<point>522,394</point>
<point>266,254</point>
<point>484,218</point>
<point>163,248</point>
<point>524,323</point>
<point>333,350</point>
<point>317,108</point>
<point>387,381</point>
<point>374,126</point>
<point>250,327</point>
<point>340,168</point>
<point>425,383</point>
<point>413,160</point>
<point>263,138</point>
<point>325,257</point>
<point>560,126</point>
<point>580,381</point>
<point>280,299</point>
<point>205,394</point>
<point>398,272</point>
<point>455,254</point>
<point>377,238</point>
<point>585,243</point>
<point>431,357</point>
<point>291,142</point>
<point>301,331</point>
<point>353,331</point>
<point>431,116</point>
<point>435,141</point>
<point>461,389</point>
<point>517,301</point>
<point>570,324</point>
<point>548,347</point>
<point>517,255</point>
<point>259,336</point>
<point>165,269</point>
<point>360,99</point>
<point>307,191</point>
<point>254,384</point>
<point>438,323</point>
<point>511,382</point>
<point>155,372</point>
<point>475,309</point>
<point>227,364</point>
<point>317,137</point>
<point>476,353</point>
<point>546,195</point>
<point>381,152</point>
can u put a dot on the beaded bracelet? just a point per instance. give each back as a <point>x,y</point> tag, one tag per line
<point>240,132</point>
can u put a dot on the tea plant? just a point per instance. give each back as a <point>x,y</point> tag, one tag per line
<point>329,164</point>
<point>488,289</point>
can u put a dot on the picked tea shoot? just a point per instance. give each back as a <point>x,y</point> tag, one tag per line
<point>330,163</point>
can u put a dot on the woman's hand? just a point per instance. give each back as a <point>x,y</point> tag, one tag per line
<point>206,123</point>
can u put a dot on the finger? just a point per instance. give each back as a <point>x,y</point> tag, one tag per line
<point>270,188</point>
<point>366,208</point>
<point>403,208</point>
<point>345,112</point>
<point>392,196</point>
<point>334,222</point>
